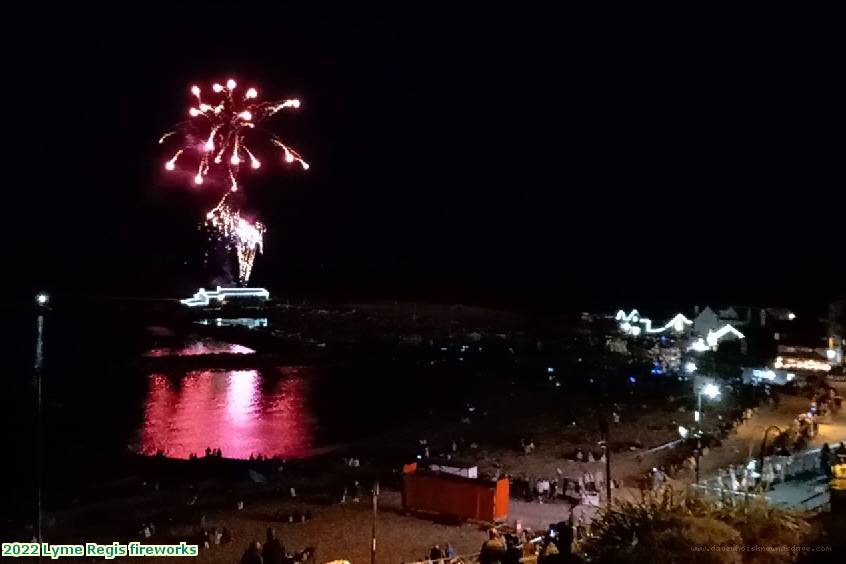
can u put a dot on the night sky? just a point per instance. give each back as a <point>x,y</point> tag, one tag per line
<point>507,158</point>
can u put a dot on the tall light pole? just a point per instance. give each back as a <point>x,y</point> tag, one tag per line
<point>41,300</point>
<point>712,391</point>
<point>375,515</point>
<point>606,447</point>
<point>605,428</point>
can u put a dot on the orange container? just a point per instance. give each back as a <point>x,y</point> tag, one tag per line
<point>457,496</point>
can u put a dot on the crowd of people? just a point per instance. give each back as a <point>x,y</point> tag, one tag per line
<point>215,536</point>
<point>441,554</point>
<point>210,453</point>
<point>273,552</point>
<point>509,548</point>
<point>561,488</point>
<point>778,468</point>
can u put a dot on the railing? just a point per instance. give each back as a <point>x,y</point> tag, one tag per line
<point>815,507</point>
<point>469,559</point>
<point>460,559</point>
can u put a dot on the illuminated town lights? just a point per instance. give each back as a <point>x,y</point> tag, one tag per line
<point>711,390</point>
<point>809,364</point>
<point>714,337</point>
<point>699,345</point>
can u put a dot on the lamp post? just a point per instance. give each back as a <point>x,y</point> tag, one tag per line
<point>375,516</point>
<point>42,301</point>
<point>605,429</point>
<point>606,447</point>
<point>712,391</point>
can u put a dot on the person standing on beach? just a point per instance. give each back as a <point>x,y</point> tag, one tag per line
<point>825,460</point>
<point>435,553</point>
<point>253,554</point>
<point>493,550</point>
<point>273,551</point>
<point>767,475</point>
<point>450,551</point>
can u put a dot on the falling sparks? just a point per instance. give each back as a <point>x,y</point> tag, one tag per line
<point>225,127</point>
<point>247,239</point>
<point>215,140</point>
<point>171,164</point>
<point>289,154</point>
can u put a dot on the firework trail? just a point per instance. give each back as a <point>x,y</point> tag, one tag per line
<point>214,143</point>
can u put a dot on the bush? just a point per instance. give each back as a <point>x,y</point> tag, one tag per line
<point>669,527</point>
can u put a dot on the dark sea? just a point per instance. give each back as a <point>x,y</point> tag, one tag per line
<point>100,404</point>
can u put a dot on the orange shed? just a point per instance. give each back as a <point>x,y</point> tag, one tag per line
<point>448,494</point>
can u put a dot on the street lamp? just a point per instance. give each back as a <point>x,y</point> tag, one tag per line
<point>690,367</point>
<point>41,299</point>
<point>712,391</point>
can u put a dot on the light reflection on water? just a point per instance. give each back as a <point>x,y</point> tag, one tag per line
<point>241,412</point>
<point>201,346</point>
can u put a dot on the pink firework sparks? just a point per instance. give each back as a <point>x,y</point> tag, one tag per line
<point>216,134</point>
<point>220,125</point>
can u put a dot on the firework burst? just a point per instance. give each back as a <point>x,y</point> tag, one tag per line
<point>216,142</point>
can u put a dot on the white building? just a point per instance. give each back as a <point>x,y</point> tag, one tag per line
<point>204,298</point>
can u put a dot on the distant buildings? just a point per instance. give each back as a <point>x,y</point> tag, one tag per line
<point>706,331</point>
<point>784,343</point>
<point>633,324</point>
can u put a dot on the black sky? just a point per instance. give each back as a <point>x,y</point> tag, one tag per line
<point>520,156</point>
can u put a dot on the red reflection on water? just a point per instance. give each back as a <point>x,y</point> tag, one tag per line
<point>202,346</point>
<point>229,410</point>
